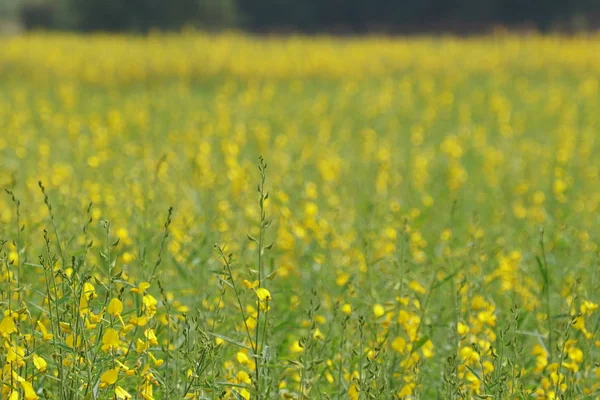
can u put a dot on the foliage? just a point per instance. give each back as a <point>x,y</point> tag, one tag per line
<point>139,16</point>
<point>335,16</point>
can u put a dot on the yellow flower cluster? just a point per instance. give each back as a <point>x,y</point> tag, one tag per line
<point>429,210</point>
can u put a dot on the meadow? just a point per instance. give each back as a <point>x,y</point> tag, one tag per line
<point>232,217</point>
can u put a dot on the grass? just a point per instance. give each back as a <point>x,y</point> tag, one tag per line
<point>423,223</point>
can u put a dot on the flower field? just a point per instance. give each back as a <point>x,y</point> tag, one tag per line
<point>234,217</point>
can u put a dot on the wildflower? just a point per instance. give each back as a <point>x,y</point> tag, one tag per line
<point>487,317</point>
<point>399,344</point>
<point>416,286</point>
<point>141,346</point>
<point>115,307</point>
<point>378,310</point>
<point>65,327</point>
<point>427,349</point>
<point>121,394</point>
<point>40,363</point>
<point>28,391</point>
<point>127,257</point>
<point>243,377</point>
<point>128,371</point>
<point>139,321</point>
<point>7,326</point>
<point>575,354</point>
<point>14,354</point>
<point>587,307</point>
<point>296,347</point>
<point>146,390</point>
<point>151,336</point>
<point>317,334</point>
<point>250,285</point>
<point>155,361</point>
<point>149,303</point>
<point>110,340</point>
<point>342,278</point>
<point>241,357</point>
<point>469,355</point>
<point>462,329</point>
<point>251,322</point>
<point>407,390</point>
<point>89,291</point>
<point>263,294</point>
<point>141,288</point>
<point>109,377</point>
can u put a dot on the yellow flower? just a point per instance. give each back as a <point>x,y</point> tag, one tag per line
<point>127,257</point>
<point>243,377</point>
<point>251,322</point>
<point>121,394</point>
<point>416,286</point>
<point>347,309</point>
<point>123,367</point>
<point>70,341</point>
<point>28,390</point>
<point>342,279</point>
<point>109,377</point>
<point>45,335</point>
<point>245,394</point>
<point>446,235</point>
<point>149,334</point>
<point>110,340</point>
<point>317,334</point>
<point>296,348</point>
<point>487,317</point>
<point>399,344</point>
<point>462,329</point>
<point>488,367</point>
<point>141,288</point>
<point>14,354</point>
<point>89,291</point>
<point>141,346</point>
<point>115,307</point>
<point>250,285</point>
<point>378,310</point>
<point>65,327</point>
<point>587,308</point>
<point>575,354</point>
<point>469,355</point>
<point>149,303</point>
<point>139,321</point>
<point>146,391</point>
<point>242,358</point>
<point>95,317</point>
<point>263,294</point>
<point>407,390</point>
<point>155,361</point>
<point>7,326</point>
<point>40,363</point>
<point>427,349</point>
<point>579,323</point>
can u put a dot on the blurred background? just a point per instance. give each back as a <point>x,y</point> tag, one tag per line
<point>306,16</point>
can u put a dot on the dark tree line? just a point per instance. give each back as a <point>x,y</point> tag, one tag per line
<point>311,16</point>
